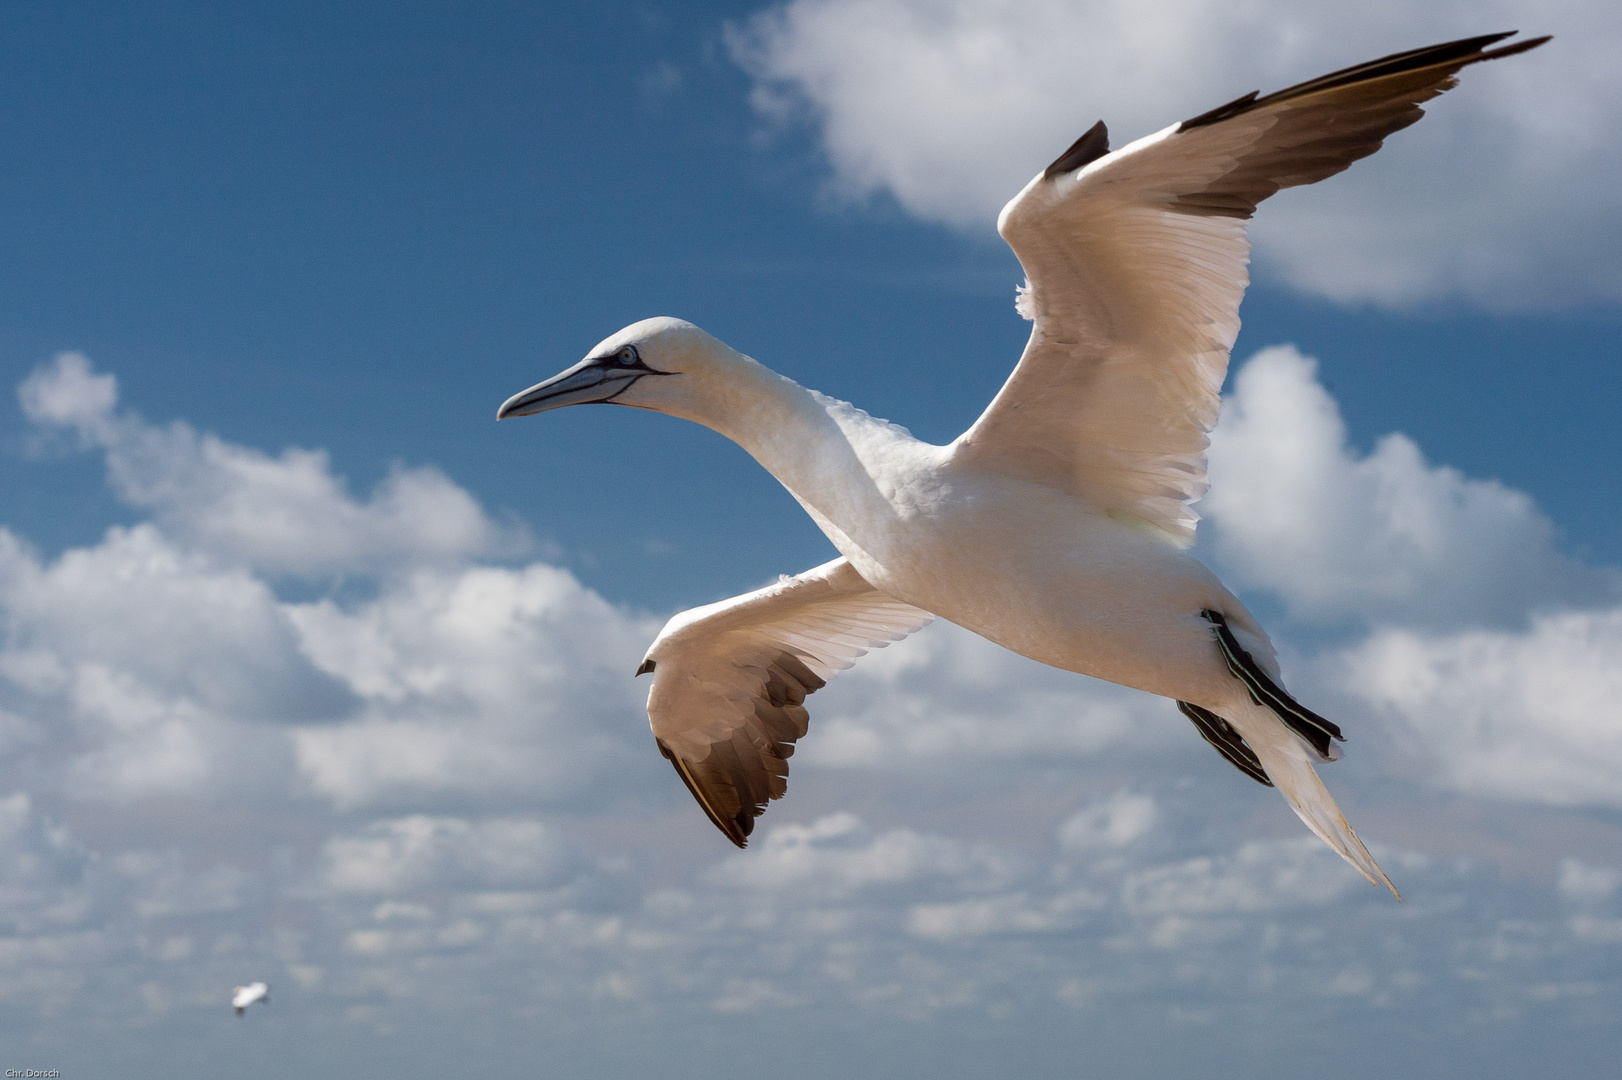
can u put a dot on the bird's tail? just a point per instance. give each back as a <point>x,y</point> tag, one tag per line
<point>1285,759</point>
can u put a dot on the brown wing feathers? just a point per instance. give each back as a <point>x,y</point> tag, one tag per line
<point>726,816</point>
<point>740,775</point>
<point>1454,54</point>
<point>1353,111</point>
<point>1325,124</point>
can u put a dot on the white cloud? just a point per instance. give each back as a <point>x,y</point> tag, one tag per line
<point>946,697</point>
<point>41,871</point>
<point>167,649</point>
<point>1582,883</point>
<point>1386,537</point>
<point>402,855</point>
<point>430,807</point>
<point>157,668</point>
<point>213,634</point>
<point>480,683</point>
<point>1591,890</point>
<point>1015,913</point>
<point>1489,653</point>
<point>1257,877</point>
<point>1520,715</point>
<point>162,886</point>
<point>1114,822</point>
<point>837,855</point>
<point>285,514</point>
<point>950,106</point>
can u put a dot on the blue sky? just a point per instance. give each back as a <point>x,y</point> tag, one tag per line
<point>355,717</point>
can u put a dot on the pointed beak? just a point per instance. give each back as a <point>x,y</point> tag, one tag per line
<point>588,381</point>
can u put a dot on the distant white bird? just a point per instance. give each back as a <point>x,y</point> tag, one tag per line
<point>1058,525</point>
<point>243,996</point>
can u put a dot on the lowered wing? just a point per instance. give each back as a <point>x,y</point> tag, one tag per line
<point>730,681</point>
<point>1136,263</point>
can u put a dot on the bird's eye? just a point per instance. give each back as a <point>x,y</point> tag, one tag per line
<point>626,355</point>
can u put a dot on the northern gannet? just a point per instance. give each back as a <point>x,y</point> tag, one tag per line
<point>1059,524</point>
<point>243,996</point>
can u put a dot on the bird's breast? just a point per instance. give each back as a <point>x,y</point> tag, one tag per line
<point>1041,573</point>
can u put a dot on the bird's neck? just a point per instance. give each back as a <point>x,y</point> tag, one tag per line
<point>841,464</point>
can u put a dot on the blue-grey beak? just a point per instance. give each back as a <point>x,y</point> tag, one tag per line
<point>588,381</point>
<point>594,380</point>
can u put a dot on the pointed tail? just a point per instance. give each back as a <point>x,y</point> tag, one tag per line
<point>1298,782</point>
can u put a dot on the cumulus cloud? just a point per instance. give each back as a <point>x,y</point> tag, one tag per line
<point>905,924</point>
<point>483,683</point>
<point>945,698</point>
<point>838,856</point>
<point>1488,653</point>
<point>284,514</point>
<point>1581,883</point>
<point>150,670</point>
<point>1123,818</point>
<point>402,855</point>
<point>213,634</point>
<point>950,107</point>
<point>1522,715</point>
<point>424,805</point>
<point>1382,537</point>
<point>167,651</point>
<point>1257,877</point>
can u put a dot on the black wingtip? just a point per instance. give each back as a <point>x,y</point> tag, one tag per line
<point>1465,51</point>
<point>1518,47</point>
<point>1084,151</point>
<point>1221,112</point>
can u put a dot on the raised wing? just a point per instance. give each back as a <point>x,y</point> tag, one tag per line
<point>1136,263</point>
<point>730,681</point>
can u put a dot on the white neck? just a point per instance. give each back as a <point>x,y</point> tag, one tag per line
<point>844,466</point>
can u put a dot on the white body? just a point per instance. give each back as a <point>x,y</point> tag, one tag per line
<point>1058,524</point>
<point>1034,569</point>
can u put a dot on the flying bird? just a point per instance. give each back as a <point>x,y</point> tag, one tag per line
<point>1059,524</point>
<point>243,996</point>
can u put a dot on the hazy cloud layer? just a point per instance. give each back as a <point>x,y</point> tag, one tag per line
<point>949,106</point>
<point>427,805</point>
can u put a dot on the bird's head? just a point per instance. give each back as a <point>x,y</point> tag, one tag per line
<point>662,364</point>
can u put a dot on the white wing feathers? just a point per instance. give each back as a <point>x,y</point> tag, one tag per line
<point>1136,264</point>
<point>1135,308</point>
<point>730,680</point>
